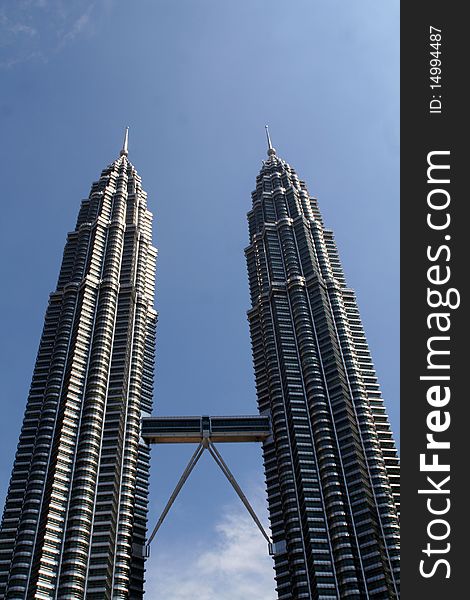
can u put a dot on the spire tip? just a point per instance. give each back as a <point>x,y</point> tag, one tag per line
<point>125,145</point>
<point>271,149</point>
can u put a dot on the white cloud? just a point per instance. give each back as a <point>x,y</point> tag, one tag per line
<point>32,29</point>
<point>233,565</point>
<point>22,28</point>
<point>78,26</point>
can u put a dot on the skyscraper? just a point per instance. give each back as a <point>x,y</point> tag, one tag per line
<point>74,523</point>
<point>331,466</point>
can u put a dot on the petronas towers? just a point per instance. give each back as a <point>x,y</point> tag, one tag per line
<point>75,518</point>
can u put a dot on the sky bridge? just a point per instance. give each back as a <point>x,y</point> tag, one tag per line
<point>205,431</point>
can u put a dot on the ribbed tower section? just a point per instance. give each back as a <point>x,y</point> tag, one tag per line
<point>331,466</point>
<point>74,524</point>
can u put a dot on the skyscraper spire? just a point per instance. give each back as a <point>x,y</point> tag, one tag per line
<point>125,145</point>
<point>271,149</point>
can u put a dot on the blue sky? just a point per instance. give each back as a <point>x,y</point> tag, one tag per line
<point>196,80</point>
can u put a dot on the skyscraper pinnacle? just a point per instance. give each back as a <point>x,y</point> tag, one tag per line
<point>125,145</point>
<point>271,149</point>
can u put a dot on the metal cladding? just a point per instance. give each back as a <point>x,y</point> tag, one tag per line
<point>331,466</point>
<point>74,524</point>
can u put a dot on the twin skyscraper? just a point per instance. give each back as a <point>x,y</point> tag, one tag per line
<point>75,518</point>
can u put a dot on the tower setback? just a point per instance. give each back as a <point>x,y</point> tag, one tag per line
<point>331,465</point>
<point>75,518</point>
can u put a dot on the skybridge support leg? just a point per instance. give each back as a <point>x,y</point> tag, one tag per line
<point>186,473</point>
<point>226,471</point>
